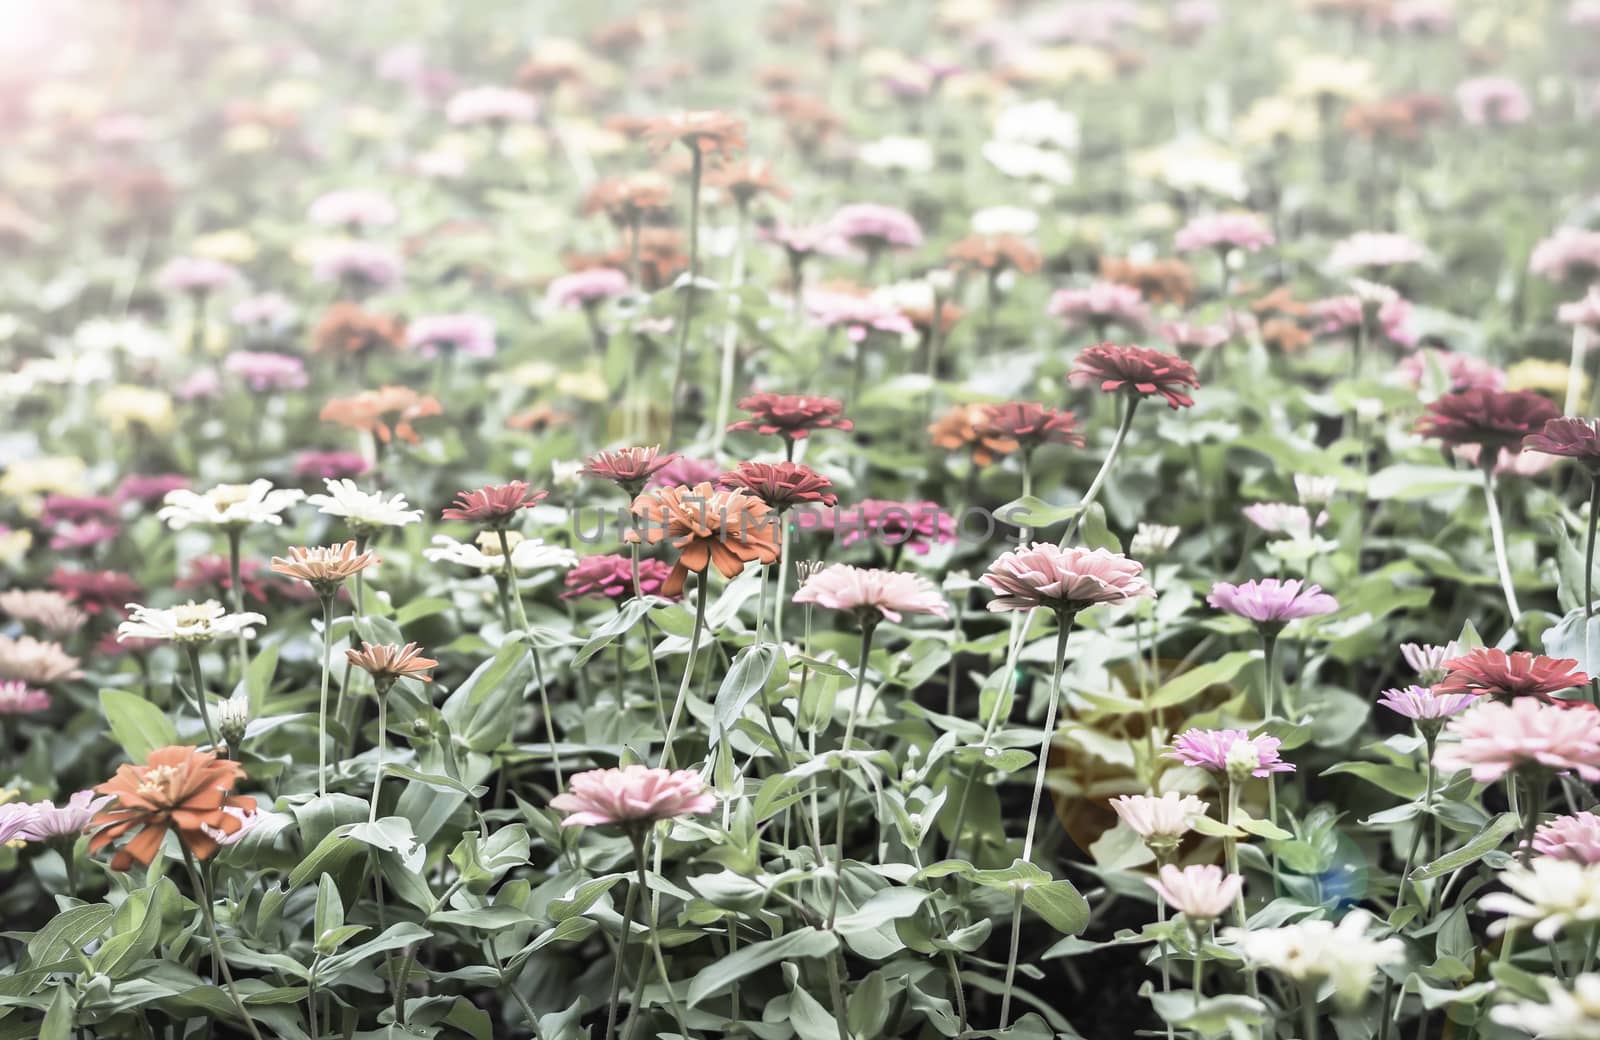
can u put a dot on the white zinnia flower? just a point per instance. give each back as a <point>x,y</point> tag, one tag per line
<point>1567,1016</point>
<point>1005,220</point>
<point>1311,951</point>
<point>906,154</point>
<point>1549,893</point>
<point>1152,540</point>
<point>527,554</point>
<point>1027,162</point>
<point>565,473</point>
<point>1041,122</point>
<point>189,623</point>
<point>228,505</point>
<point>1315,491</point>
<point>362,509</point>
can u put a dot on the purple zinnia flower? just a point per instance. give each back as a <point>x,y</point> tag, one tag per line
<point>872,228</point>
<point>586,288</point>
<point>329,465</point>
<point>1420,703</point>
<point>366,263</point>
<point>269,311</point>
<point>196,274</point>
<point>1231,751</point>
<point>1272,602</point>
<point>263,370</point>
<point>47,820</point>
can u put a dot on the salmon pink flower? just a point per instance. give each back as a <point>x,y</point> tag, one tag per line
<point>869,593</point>
<point>1137,371</point>
<point>1063,579</point>
<point>725,529</point>
<point>494,505</point>
<point>781,485</point>
<point>631,797</point>
<point>791,416</point>
<point>628,468</point>
<point>1495,673</point>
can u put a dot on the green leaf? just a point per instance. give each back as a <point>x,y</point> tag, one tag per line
<point>807,942</point>
<point>1489,839</point>
<point>750,673</point>
<point>58,1017</point>
<point>481,710</point>
<point>580,899</point>
<point>139,726</point>
<point>330,908</point>
<point>1196,680</point>
<point>395,937</point>
<point>1059,904</point>
<point>1408,482</point>
<point>68,932</point>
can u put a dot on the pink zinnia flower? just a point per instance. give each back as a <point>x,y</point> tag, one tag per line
<point>872,228</point>
<point>781,485</point>
<point>611,576</point>
<point>18,698</point>
<point>1422,704</point>
<point>1271,603</point>
<point>149,490</point>
<point>268,311</point>
<point>469,334</point>
<point>682,470</point>
<point>75,509</point>
<point>1569,254</point>
<point>1224,231</point>
<point>1575,838</point>
<point>790,416</point>
<point>1161,820</point>
<point>369,264</point>
<point>494,105</point>
<point>870,593</point>
<point>329,465</point>
<point>1341,315</point>
<point>1284,518</point>
<point>586,288</point>
<point>1137,371</point>
<point>86,535</point>
<point>1375,249</point>
<point>632,796</point>
<point>628,468</point>
<point>97,591</point>
<point>1201,892</point>
<point>1569,437</point>
<point>494,505</point>
<point>197,275</point>
<point>264,371</point>
<point>1581,312</point>
<point>353,208</point>
<point>858,316</point>
<point>1428,660</point>
<point>1229,751</point>
<point>1493,101</point>
<point>1494,672</point>
<point>1102,303</point>
<point>1461,371</point>
<point>1190,334</point>
<point>46,820</point>
<point>916,525</point>
<point>1065,580</point>
<point>1495,738</point>
<point>801,242</point>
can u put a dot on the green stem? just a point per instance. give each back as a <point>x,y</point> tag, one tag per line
<point>1132,405</point>
<point>193,650</point>
<point>1230,852</point>
<point>377,768</point>
<point>695,170</point>
<point>235,535</point>
<point>204,897</point>
<point>322,700</point>
<point>1498,535</point>
<point>1269,649</point>
<point>840,813</point>
<point>701,595</point>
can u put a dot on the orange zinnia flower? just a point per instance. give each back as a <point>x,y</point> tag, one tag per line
<point>708,527</point>
<point>709,133</point>
<point>386,662</point>
<point>179,788</point>
<point>744,179</point>
<point>387,412</point>
<point>324,567</point>
<point>967,427</point>
<point>995,253</point>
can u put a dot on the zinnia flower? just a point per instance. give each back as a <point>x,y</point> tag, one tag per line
<point>527,554</point>
<point>1159,821</point>
<point>1491,419</point>
<point>45,821</point>
<point>869,593</point>
<point>228,505</point>
<point>1139,371</point>
<point>965,428</point>
<point>1375,249</point>
<point>628,468</point>
<point>189,623</point>
<point>471,335</point>
<point>1099,305</point>
<point>1272,603</point>
<point>1230,751</point>
<point>1569,437</point>
<point>1201,892</point>
<point>585,289</point>
<point>632,796</point>
<point>791,416</point>
<point>873,228</point>
<point>386,413</point>
<point>386,662</point>
<point>1427,660</point>
<point>354,209</point>
<point>177,788</point>
<point>1493,101</point>
<point>1030,426</point>
<point>1309,952</point>
<point>364,512</point>
<point>324,567</point>
<point>36,661</point>
<point>494,505</point>
<point>781,485</point>
<point>1548,893</point>
<point>52,611</point>
<point>1575,838</point>
<point>914,525</point>
<point>1494,738</point>
<point>1420,704</point>
<point>1223,231</point>
<point>725,529</point>
<point>491,105</point>
<point>1065,580</point>
<point>611,576</point>
<point>18,698</point>
<point>1564,1016</point>
<point>704,132</point>
<point>263,371</point>
<point>1494,672</point>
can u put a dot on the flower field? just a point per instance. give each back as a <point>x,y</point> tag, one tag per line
<point>831,520</point>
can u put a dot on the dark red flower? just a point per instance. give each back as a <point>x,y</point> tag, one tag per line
<point>97,591</point>
<point>791,416</point>
<point>611,576</point>
<point>1137,370</point>
<point>1491,419</point>
<point>781,484</point>
<point>1570,437</point>
<point>628,468</point>
<point>494,505</point>
<point>1520,674</point>
<point>1031,425</point>
<point>74,509</point>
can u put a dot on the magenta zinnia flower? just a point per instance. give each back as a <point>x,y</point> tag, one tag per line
<point>870,593</point>
<point>1229,751</point>
<point>1569,437</point>
<point>1495,738</point>
<point>915,525</point>
<point>1065,580</point>
<point>632,796</point>
<point>611,576</point>
<point>1575,838</point>
<point>18,698</point>
<point>1491,419</point>
<point>1272,603</point>
<point>494,505</point>
<point>1139,371</point>
<point>1421,704</point>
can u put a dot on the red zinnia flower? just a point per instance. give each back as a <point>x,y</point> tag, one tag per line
<point>791,416</point>
<point>1137,370</point>
<point>493,505</point>
<point>1492,419</point>
<point>1031,425</point>
<point>1521,674</point>
<point>782,484</point>
<point>628,468</point>
<point>1569,436</point>
<point>97,591</point>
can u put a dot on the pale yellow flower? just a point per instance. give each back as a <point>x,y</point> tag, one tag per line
<point>1060,65</point>
<point>123,408</point>
<point>533,374</point>
<point>247,139</point>
<point>1546,377</point>
<point>297,95</point>
<point>1329,75</point>
<point>368,123</point>
<point>232,246</point>
<point>585,386</point>
<point>1275,120</point>
<point>1192,164</point>
<point>14,546</point>
<point>27,481</point>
